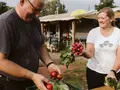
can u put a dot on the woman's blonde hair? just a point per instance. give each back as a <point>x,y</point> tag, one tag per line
<point>109,12</point>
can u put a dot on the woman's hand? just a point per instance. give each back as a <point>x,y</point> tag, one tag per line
<point>111,75</point>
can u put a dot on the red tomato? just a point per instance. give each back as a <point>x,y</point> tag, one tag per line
<point>75,54</point>
<point>78,49</point>
<point>53,74</point>
<point>81,47</point>
<point>59,76</point>
<point>76,43</point>
<point>73,49</point>
<point>49,86</point>
<point>73,45</point>
<point>80,44</point>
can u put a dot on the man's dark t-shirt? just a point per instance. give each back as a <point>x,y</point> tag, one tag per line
<point>21,40</point>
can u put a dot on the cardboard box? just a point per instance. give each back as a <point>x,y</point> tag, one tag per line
<point>104,88</point>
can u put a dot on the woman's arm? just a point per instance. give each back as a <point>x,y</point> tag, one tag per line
<point>116,65</point>
<point>89,51</point>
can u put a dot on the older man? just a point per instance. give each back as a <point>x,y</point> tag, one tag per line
<point>21,47</point>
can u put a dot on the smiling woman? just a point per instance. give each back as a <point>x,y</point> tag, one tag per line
<point>102,49</point>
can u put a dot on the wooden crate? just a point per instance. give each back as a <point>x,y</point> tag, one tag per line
<point>104,88</point>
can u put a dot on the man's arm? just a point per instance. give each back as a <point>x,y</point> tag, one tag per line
<point>13,69</point>
<point>44,55</point>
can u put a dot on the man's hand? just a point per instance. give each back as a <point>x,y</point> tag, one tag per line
<point>39,81</point>
<point>53,67</point>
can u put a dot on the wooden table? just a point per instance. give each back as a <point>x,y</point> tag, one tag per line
<point>104,88</point>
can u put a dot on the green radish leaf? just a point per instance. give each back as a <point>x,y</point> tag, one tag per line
<point>67,57</point>
<point>118,85</point>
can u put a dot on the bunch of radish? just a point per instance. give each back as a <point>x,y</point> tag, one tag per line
<point>77,48</point>
<point>49,86</point>
<point>55,75</point>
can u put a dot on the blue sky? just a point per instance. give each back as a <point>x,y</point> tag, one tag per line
<point>71,5</point>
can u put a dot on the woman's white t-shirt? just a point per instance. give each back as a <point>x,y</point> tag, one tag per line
<point>105,50</point>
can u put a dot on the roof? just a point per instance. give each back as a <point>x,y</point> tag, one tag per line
<point>67,16</point>
<point>93,15</point>
<point>117,12</point>
<point>90,15</point>
<point>57,17</point>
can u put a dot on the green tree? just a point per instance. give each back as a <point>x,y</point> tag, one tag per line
<point>105,3</point>
<point>3,7</point>
<point>51,8</point>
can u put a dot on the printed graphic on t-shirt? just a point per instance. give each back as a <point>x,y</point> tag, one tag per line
<point>106,43</point>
